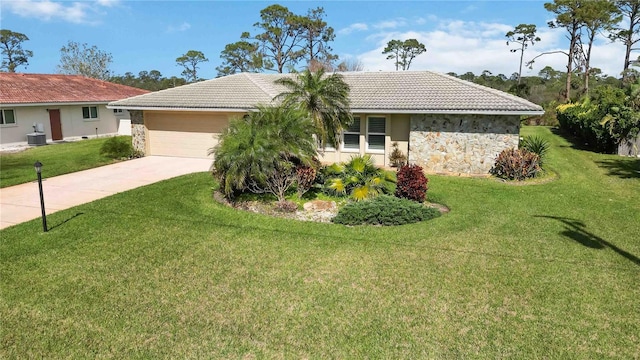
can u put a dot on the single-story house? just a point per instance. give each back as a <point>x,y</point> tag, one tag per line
<point>442,123</point>
<point>61,106</point>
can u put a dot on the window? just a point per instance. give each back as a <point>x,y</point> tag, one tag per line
<point>117,111</point>
<point>7,117</point>
<point>351,136</point>
<point>89,112</point>
<point>376,130</point>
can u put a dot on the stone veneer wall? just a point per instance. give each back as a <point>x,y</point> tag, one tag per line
<point>138,138</point>
<point>461,144</point>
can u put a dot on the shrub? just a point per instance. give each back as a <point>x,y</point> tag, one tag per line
<point>585,122</point>
<point>259,153</point>
<point>384,210</point>
<point>117,147</point>
<point>411,183</point>
<point>516,164</point>
<point>305,178</point>
<point>358,178</point>
<point>397,158</point>
<point>536,145</point>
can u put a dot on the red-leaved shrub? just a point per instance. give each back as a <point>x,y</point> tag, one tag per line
<point>411,184</point>
<point>305,176</point>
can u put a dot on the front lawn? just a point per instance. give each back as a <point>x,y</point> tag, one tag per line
<point>547,270</point>
<point>58,159</point>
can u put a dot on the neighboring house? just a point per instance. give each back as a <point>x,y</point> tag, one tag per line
<point>67,106</point>
<point>444,124</point>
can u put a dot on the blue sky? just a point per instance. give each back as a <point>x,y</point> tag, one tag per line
<point>460,36</point>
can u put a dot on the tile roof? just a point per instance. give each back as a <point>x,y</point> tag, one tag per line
<point>397,91</point>
<point>18,88</point>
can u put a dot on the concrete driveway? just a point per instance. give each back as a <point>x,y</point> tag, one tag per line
<point>21,203</point>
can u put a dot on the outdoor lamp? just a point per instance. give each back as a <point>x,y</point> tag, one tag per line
<point>38,167</point>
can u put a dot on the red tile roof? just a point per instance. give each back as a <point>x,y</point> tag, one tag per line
<point>18,88</point>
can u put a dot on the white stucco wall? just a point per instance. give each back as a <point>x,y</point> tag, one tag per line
<point>73,125</point>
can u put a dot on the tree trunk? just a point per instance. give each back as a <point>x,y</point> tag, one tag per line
<point>520,69</point>
<point>567,94</point>
<point>629,41</point>
<point>572,45</point>
<point>587,65</point>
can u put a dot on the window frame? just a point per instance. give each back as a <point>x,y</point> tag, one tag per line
<point>90,118</point>
<point>369,133</point>
<point>3,118</point>
<point>343,148</point>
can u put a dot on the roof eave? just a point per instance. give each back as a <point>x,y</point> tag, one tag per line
<point>449,112</point>
<point>353,110</point>
<point>169,108</point>
<point>53,103</point>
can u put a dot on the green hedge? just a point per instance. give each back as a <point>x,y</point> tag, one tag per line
<point>384,210</point>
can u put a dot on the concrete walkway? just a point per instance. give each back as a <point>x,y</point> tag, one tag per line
<point>21,203</point>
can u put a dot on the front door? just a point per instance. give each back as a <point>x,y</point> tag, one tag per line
<point>56,125</point>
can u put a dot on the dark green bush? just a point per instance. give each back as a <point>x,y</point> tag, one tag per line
<point>117,147</point>
<point>536,145</point>
<point>384,210</point>
<point>516,164</point>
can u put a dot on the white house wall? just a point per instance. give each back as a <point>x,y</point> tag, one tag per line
<point>73,125</point>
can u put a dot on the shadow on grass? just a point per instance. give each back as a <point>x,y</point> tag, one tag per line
<point>579,144</point>
<point>65,221</point>
<point>576,230</point>
<point>624,168</point>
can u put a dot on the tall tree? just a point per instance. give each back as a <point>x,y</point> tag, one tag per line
<point>190,62</point>
<point>241,56</point>
<point>403,52</point>
<point>523,35</point>
<point>316,38</point>
<point>13,55</point>
<point>281,38</point>
<point>410,49</point>
<point>80,59</point>
<point>567,17</point>
<point>629,35</point>
<point>393,50</point>
<point>596,15</point>
<point>324,97</point>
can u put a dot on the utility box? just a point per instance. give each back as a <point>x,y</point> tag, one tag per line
<point>37,139</point>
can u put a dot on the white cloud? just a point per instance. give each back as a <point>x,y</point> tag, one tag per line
<point>182,27</point>
<point>353,27</point>
<point>47,10</point>
<point>108,3</point>
<point>461,46</point>
<point>391,24</point>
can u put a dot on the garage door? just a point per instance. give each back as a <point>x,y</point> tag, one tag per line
<point>184,135</point>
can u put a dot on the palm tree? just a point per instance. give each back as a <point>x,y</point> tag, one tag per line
<point>252,151</point>
<point>324,97</point>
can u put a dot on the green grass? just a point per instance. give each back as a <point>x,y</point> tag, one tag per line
<point>58,159</point>
<point>549,270</point>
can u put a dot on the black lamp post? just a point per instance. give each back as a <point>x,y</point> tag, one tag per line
<point>38,166</point>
